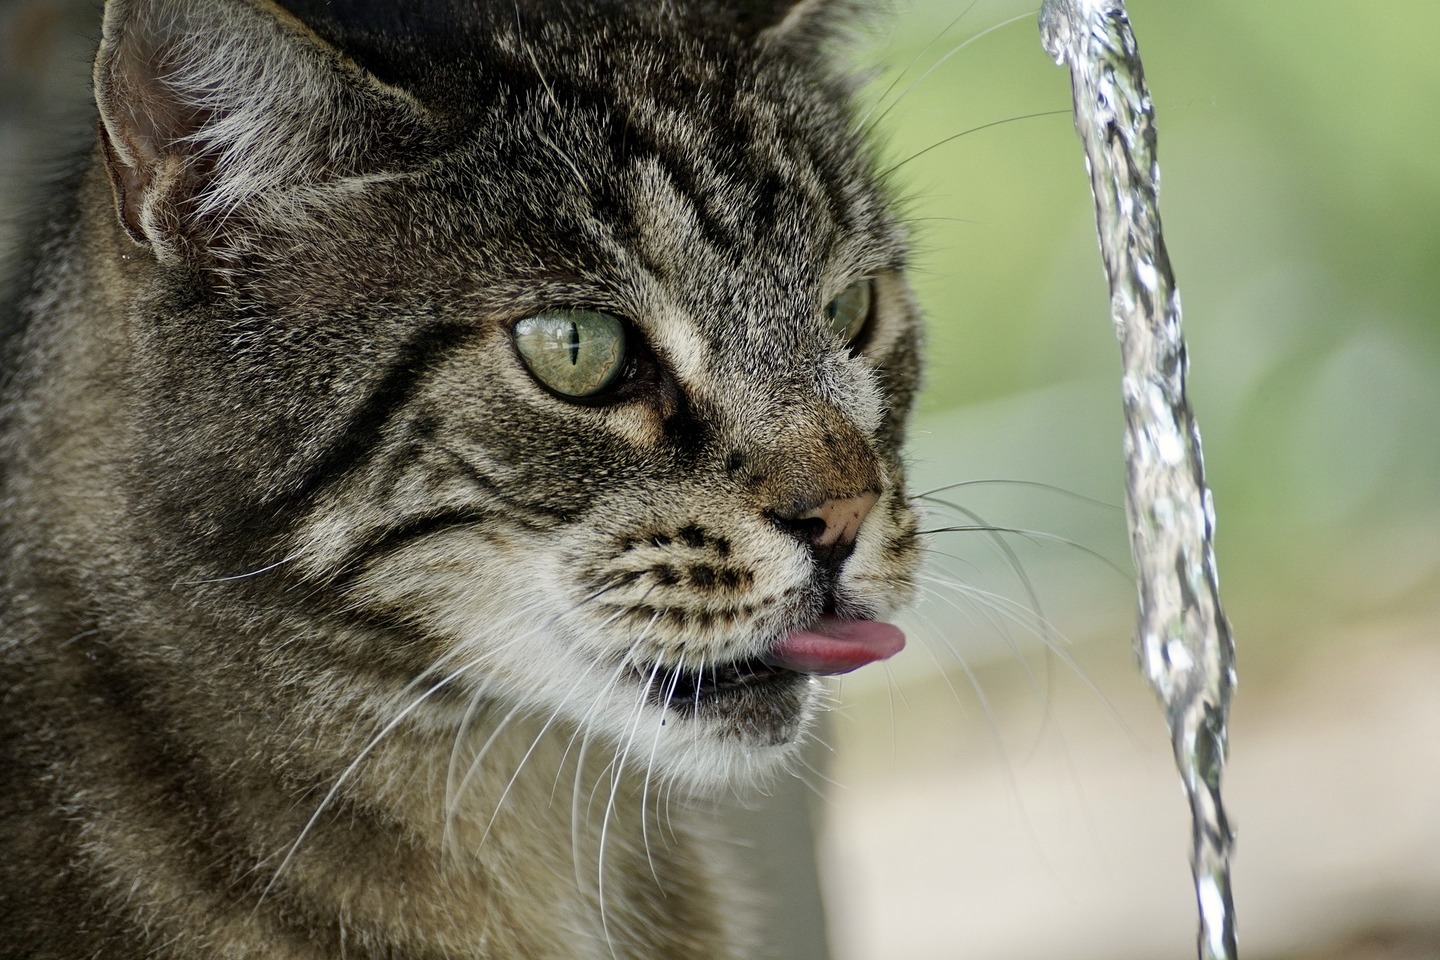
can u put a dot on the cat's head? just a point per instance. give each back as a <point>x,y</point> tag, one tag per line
<point>559,353</point>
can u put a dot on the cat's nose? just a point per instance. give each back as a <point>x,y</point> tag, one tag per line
<point>830,527</point>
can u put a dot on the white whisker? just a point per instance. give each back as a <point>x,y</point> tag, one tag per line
<point>952,52</point>
<point>350,770</point>
<point>242,576</point>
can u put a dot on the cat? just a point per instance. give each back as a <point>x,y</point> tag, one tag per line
<point>441,444</point>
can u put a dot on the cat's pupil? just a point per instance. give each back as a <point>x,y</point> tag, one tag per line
<point>575,353</point>
<point>849,313</point>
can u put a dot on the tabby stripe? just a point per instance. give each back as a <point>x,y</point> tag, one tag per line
<point>691,182</point>
<point>402,379</point>
<point>208,832</point>
<point>387,541</point>
<point>540,517</point>
<point>631,141</point>
<point>389,647</point>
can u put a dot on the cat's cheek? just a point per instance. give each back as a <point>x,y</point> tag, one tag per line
<point>743,740</point>
<point>879,578</point>
<point>511,638</point>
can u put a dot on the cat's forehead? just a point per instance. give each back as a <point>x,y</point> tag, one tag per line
<point>705,187</point>
<point>742,193</point>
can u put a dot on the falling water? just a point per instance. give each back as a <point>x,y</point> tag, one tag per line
<point>1184,641</point>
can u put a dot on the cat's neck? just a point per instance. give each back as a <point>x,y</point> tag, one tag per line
<point>547,845</point>
<point>512,839</point>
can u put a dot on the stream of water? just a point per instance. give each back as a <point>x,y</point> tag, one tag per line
<point>1184,643</point>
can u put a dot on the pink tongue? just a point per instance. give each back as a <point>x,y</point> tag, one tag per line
<point>832,645</point>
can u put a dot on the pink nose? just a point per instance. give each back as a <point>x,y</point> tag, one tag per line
<point>840,519</point>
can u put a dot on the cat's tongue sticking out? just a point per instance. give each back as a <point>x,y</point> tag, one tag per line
<point>831,645</point>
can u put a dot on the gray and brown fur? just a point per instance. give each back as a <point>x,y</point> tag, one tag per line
<point>328,632</point>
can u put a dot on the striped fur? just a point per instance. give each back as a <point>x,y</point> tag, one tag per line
<point>326,629</point>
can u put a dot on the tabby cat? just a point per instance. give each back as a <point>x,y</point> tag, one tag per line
<point>441,442</point>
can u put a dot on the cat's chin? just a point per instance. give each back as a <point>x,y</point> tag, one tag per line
<point>749,701</point>
<point>723,723</point>
<point>729,725</point>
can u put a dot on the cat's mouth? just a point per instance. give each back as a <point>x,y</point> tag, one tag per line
<point>828,646</point>
<point>689,692</point>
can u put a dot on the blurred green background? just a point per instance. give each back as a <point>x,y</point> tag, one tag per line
<point>1005,789</point>
<point>1300,151</point>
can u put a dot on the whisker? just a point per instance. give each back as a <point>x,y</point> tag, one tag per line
<point>1057,650</point>
<point>1012,784</point>
<point>989,606</point>
<point>575,819</point>
<point>820,794</point>
<point>1031,535</point>
<point>617,773</point>
<point>940,667</point>
<point>996,481</point>
<point>954,50</point>
<point>595,703</point>
<point>862,124</point>
<point>1010,609</point>
<point>936,218</point>
<point>452,792</point>
<point>799,758</point>
<point>987,713</point>
<point>1011,559</point>
<point>495,815</point>
<point>452,800</point>
<point>965,133</point>
<point>242,576</point>
<point>350,770</point>
<point>649,775</point>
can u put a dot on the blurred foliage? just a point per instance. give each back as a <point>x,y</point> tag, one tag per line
<point>1301,182</point>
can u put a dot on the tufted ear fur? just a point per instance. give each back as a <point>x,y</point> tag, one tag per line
<point>805,26</point>
<point>213,109</point>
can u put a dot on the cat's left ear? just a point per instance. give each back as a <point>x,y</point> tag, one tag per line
<point>215,115</point>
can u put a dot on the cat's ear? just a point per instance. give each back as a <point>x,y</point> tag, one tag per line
<point>804,26</point>
<point>213,108</point>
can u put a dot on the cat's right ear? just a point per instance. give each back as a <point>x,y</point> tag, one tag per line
<point>806,27</point>
<point>213,112</point>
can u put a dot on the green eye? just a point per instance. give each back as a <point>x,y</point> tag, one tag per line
<point>849,312</point>
<point>576,353</point>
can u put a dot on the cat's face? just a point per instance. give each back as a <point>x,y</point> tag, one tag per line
<point>571,372</point>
